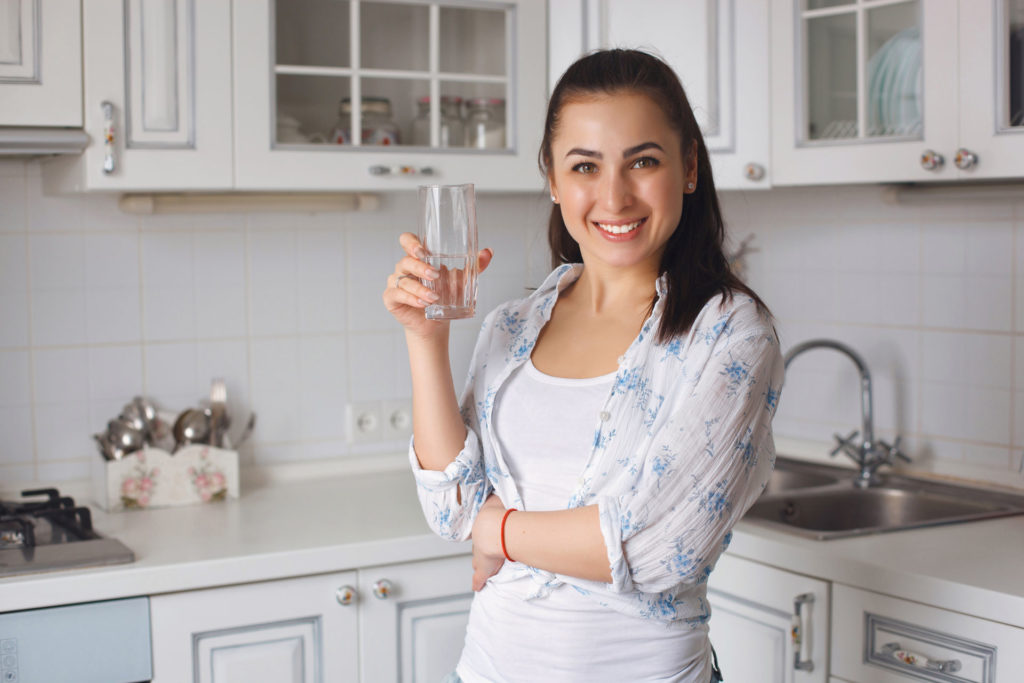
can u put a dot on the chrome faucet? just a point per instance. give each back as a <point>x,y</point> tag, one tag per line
<point>869,454</point>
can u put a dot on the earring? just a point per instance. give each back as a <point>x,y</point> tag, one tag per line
<point>554,199</point>
<point>690,186</point>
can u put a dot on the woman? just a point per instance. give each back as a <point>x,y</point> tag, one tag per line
<point>616,423</point>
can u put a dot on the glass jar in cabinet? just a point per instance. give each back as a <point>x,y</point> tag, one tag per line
<point>486,123</point>
<point>452,131</point>
<point>422,57</point>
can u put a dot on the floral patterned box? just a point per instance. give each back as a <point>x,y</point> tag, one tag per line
<point>153,478</point>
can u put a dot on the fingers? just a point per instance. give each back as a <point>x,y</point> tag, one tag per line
<point>398,296</point>
<point>410,265</point>
<point>411,244</point>
<point>407,280</point>
<point>484,259</point>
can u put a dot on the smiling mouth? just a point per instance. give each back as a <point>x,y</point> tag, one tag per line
<point>620,228</point>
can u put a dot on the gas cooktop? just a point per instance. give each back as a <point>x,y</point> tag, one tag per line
<point>46,531</point>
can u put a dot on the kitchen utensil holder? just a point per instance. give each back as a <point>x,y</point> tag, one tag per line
<point>153,478</point>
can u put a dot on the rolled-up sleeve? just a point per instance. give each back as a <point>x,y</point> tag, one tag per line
<point>451,498</point>
<point>702,470</point>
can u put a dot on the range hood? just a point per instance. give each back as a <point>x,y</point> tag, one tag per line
<point>22,141</point>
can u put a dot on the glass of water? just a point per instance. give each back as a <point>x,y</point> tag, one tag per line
<point>447,231</point>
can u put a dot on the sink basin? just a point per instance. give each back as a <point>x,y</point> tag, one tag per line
<point>785,479</point>
<point>821,502</point>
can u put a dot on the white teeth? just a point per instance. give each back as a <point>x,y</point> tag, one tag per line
<point>620,229</point>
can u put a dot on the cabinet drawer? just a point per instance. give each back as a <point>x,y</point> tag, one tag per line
<point>882,639</point>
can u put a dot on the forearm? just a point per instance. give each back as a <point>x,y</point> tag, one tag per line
<point>565,542</point>
<point>436,423</point>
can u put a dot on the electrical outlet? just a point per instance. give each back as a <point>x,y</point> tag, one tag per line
<point>365,422</point>
<point>397,415</point>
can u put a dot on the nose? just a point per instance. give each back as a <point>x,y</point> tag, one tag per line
<point>616,192</point>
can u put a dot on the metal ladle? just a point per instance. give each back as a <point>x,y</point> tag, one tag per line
<point>192,426</point>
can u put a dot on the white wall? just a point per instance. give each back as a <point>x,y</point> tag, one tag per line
<point>930,293</point>
<point>97,306</point>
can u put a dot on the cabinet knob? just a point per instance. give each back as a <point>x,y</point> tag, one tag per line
<point>754,171</point>
<point>346,595</point>
<point>931,160</point>
<point>383,589</point>
<point>965,159</point>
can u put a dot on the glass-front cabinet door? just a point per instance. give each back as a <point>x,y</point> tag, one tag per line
<point>991,141</point>
<point>388,94</point>
<point>719,49</point>
<point>865,90</point>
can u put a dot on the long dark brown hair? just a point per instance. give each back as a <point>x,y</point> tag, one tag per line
<point>694,259</point>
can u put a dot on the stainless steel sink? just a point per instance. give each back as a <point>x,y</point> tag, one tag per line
<point>821,502</point>
<point>786,479</point>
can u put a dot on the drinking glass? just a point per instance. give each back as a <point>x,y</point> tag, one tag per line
<point>447,231</point>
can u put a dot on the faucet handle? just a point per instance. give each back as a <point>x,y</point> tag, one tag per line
<point>845,444</point>
<point>892,452</point>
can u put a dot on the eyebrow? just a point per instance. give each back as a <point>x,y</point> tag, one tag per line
<point>626,154</point>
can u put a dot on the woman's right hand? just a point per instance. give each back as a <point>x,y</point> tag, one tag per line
<point>405,296</point>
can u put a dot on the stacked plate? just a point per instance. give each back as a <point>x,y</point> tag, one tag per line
<point>894,86</point>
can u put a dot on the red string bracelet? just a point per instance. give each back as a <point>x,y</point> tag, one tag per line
<point>503,548</point>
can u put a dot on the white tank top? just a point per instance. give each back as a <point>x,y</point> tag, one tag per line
<point>545,426</point>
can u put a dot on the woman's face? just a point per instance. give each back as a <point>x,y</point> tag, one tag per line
<point>619,175</point>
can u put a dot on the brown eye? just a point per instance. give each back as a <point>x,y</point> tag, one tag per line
<point>585,167</point>
<point>646,162</point>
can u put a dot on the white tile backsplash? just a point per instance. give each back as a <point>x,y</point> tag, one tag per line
<point>932,297</point>
<point>17,447</point>
<point>99,305</point>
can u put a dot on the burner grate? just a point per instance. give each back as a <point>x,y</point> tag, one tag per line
<point>46,531</point>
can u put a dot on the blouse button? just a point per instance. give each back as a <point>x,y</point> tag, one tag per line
<point>622,360</point>
<point>605,416</point>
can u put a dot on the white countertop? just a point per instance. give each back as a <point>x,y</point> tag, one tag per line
<point>271,531</point>
<point>323,525</point>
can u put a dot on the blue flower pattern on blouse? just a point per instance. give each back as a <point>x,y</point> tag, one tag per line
<point>683,449</point>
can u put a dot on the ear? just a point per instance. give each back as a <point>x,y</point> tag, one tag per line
<point>554,190</point>
<point>690,181</point>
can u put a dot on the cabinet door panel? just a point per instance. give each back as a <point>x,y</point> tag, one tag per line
<point>752,608</point>
<point>416,633</point>
<point>870,631</point>
<point>273,631</point>
<point>839,155</point>
<point>992,88</point>
<point>164,66</point>
<point>41,63</point>
<point>719,49</point>
<point>273,97</point>
<point>265,653</point>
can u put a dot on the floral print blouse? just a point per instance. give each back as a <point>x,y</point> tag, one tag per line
<point>681,449</point>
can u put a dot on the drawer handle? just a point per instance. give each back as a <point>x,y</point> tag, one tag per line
<point>401,170</point>
<point>109,141</point>
<point>920,661</point>
<point>797,632</point>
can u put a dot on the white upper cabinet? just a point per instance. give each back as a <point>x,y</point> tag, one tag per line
<point>991,143</point>
<point>386,95</point>
<point>719,49</point>
<point>157,81</point>
<point>891,90</point>
<point>41,63</point>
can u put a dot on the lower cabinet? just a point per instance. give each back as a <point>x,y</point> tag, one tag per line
<point>768,625</point>
<point>380,624</point>
<point>883,639</point>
